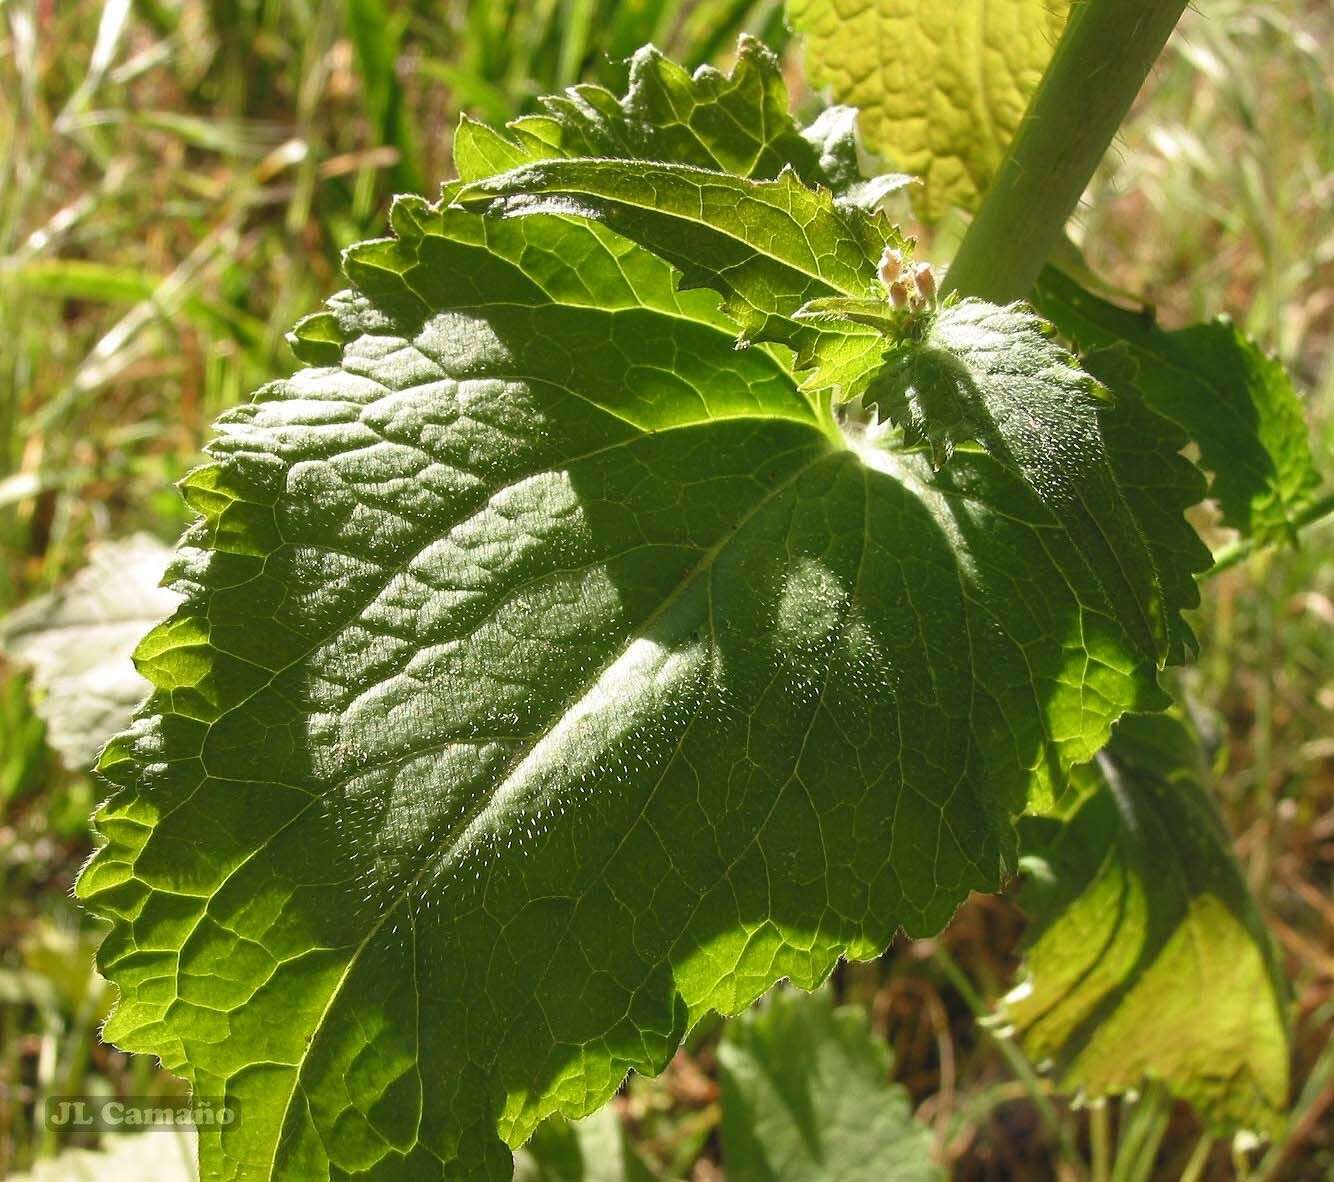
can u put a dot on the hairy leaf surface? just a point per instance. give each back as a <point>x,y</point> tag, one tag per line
<point>1237,404</point>
<point>940,88</point>
<point>550,673</point>
<point>806,1098</point>
<point>993,376</point>
<point>1148,959</point>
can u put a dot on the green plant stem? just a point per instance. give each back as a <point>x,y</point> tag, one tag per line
<point>1142,1131</point>
<point>1198,1158</point>
<point>1021,1067</point>
<point>1099,65</point>
<point>1308,1114</point>
<point>1239,551</point>
<point>1100,1140</point>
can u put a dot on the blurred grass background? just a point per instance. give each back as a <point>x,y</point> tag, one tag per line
<point>177,178</point>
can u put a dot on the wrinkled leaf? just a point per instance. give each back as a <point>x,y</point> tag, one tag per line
<point>79,640</point>
<point>551,673</point>
<point>1148,958</point>
<point>704,133</point>
<point>941,87</point>
<point>806,1097</point>
<point>1236,403</point>
<point>975,374</point>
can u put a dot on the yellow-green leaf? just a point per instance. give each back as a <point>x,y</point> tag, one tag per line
<point>1148,958</point>
<point>941,87</point>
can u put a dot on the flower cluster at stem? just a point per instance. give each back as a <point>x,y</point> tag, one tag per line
<point>911,287</point>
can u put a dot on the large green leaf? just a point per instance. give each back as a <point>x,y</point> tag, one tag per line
<point>941,87</point>
<point>806,1097</point>
<point>1148,959</point>
<point>1233,401</point>
<point>550,673</point>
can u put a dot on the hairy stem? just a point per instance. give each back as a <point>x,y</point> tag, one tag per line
<point>1099,65</point>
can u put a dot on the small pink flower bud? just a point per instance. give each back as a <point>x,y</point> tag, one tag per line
<point>891,266</point>
<point>898,294</point>
<point>925,280</point>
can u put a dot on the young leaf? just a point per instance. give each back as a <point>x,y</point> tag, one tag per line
<point>716,131</point>
<point>735,123</point>
<point>769,246</point>
<point>1233,401</point>
<point>1148,958</point>
<point>806,1098</point>
<point>940,87</point>
<point>79,639</point>
<point>550,673</point>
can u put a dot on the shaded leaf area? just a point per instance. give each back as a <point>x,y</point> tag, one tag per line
<point>1148,958</point>
<point>989,375</point>
<point>940,88</point>
<point>807,1097</point>
<point>1159,485</point>
<point>971,373</point>
<point>551,673</point>
<point>1235,403</point>
<point>78,642</point>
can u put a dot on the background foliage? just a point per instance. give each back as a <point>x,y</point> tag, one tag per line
<point>176,182</point>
